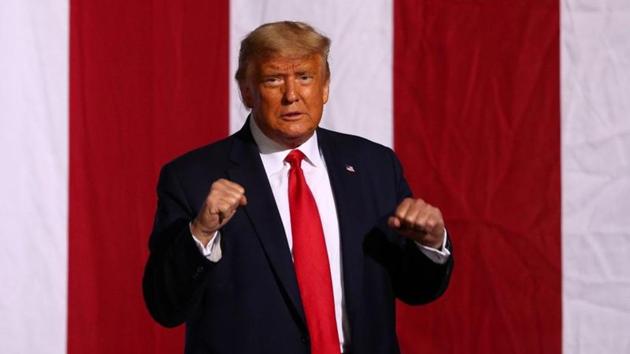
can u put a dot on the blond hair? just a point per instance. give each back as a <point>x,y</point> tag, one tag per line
<point>286,39</point>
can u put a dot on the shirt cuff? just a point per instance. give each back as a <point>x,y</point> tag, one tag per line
<point>437,255</point>
<point>212,251</point>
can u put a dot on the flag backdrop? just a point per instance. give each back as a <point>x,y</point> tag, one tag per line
<point>510,116</point>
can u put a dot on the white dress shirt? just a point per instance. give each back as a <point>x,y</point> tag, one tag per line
<point>272,155</point>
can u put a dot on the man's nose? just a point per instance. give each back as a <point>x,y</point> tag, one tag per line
<point>290,92</point>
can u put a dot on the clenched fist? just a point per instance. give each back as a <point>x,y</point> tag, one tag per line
<point>220,205</point>
<point>419,221</point>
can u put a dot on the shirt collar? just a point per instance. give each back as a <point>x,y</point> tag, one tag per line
<point>274,153</point>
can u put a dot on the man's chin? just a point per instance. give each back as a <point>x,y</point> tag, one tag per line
<point>293,139</point>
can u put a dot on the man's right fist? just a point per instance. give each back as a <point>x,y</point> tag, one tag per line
<point>219,207</point>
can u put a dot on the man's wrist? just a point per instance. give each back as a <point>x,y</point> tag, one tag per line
<point>440,254</point>
<point>204,235</point>
<point>435,245</point>
<point>437,241</point>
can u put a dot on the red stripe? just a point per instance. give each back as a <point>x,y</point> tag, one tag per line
<point>149,80</point>
<point>477,125</point>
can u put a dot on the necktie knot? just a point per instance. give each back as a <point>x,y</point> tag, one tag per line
<point>294,158</point>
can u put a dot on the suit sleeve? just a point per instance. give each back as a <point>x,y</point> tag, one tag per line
<point>416,279</point>
<point>175,271</point>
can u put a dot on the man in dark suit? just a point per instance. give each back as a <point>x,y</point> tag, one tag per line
<point>286,237</point>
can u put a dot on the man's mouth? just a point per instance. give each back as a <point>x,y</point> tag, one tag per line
<point>291,115</point>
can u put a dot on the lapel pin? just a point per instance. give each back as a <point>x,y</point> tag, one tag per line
<point>350,168</point>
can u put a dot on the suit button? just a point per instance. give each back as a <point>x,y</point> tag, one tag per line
<point>304,339</point>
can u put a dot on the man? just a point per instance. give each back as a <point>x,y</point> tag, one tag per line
<point>286,237</point>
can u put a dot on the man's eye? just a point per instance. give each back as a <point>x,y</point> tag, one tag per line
<point>305,78</point>
<point>272,80</point>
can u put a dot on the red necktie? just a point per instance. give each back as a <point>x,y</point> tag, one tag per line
<point>310,260</point>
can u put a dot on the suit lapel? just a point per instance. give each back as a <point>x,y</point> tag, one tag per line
<point>344,174</point>
<point>248,171</point>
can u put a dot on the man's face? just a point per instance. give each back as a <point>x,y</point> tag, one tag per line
<point>287,97</point>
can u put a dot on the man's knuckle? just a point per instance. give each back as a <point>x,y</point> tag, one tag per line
<point>234,202</point>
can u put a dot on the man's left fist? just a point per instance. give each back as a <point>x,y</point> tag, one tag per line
<point>419,221</point>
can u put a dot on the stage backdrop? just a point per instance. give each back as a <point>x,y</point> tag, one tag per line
<point>512,117</point>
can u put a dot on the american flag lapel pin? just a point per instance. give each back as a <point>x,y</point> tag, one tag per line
<point>350,169</point>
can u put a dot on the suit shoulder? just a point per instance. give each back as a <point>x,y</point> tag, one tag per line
<point>355,144</point>
<point>215,153</point>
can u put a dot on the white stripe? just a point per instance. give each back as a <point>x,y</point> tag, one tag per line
<point>33,182</point>
<point>595,52</point>
<point>360,58</point>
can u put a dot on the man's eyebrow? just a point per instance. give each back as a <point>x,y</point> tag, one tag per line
<point>307,69</point>
<point>274,70</point>
<point>266,72</point>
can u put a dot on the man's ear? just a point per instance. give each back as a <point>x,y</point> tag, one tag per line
<point>325,91</point>
<point>246,94</point>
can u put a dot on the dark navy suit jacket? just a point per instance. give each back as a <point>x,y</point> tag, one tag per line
<point>249,302</point>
